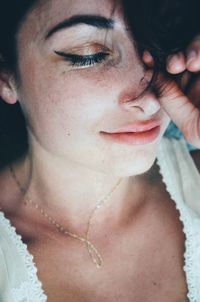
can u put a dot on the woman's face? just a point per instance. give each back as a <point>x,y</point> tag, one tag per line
<point>80,74</point>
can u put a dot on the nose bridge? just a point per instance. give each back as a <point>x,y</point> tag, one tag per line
<point>131,73</point>
<point>132,70</point>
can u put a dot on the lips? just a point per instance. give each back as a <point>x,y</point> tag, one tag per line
<point>137,127</point>
<point>135,133</point>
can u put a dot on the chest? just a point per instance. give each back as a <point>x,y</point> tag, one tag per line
<point>141,263</point>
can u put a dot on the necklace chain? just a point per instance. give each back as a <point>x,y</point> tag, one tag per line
<point>92,250</point>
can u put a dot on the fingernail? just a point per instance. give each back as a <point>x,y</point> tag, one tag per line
<point>191,56</point>
<point>174,63</point>
<point>171,60</point>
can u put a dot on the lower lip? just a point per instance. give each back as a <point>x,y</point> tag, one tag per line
<point>134,138</point>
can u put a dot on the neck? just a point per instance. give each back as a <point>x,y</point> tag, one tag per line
<point>68,190</point>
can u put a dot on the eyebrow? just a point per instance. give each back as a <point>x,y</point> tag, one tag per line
<point>92,20</point>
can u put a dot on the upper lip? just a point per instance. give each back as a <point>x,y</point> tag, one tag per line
<point>137,127</point>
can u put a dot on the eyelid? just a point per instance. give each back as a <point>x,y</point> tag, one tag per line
<point>79,57</point>
<point>87,49</point>
<point>89,55</point>
<point>84,61</point>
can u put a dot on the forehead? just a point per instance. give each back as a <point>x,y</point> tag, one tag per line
<point>47,13</point>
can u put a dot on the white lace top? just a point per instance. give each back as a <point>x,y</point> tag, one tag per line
<point>18,274</point>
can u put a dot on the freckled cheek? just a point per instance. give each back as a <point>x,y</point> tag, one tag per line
<point>77,91</point>
<point>67,99</point>
<point>86,104</point>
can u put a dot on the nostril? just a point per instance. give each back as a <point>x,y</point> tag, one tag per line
<point>132,105</point>
<point>148,104</point>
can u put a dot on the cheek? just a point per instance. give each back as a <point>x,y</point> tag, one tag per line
<point>57,103</point>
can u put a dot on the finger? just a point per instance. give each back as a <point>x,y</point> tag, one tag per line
<point>184,80</point>
<point>180,109</point>
<point>176,63</point>
<point>148,59</point>
<point>193,55</point>
<point>194,92</point>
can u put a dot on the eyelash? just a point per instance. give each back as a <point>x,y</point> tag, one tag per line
<point>84,61</point>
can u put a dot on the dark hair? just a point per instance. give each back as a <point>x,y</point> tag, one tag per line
<point>13,136</point>
<point>12,14</point>
<point>161,26</point>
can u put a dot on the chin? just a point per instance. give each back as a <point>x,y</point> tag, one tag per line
<point>133,167</point>
<point>132,161</point>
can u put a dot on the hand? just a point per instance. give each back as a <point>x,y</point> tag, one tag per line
<point>189,61</point>
<point>181,99</point>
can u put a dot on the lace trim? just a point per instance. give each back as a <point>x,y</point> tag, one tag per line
<point>190,266</point>
<point>36,293</point>
<point>192,244</point>
<point>22,293</point>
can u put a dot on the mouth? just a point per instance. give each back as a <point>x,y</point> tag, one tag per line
<point>135,134</point>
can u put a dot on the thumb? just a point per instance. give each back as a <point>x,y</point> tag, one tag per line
<point>179,108</point>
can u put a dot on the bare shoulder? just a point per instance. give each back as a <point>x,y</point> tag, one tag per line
<point>196,157</point>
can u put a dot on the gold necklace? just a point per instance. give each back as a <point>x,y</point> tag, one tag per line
<point>92,250</point>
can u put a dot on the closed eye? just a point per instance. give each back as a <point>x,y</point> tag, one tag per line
<point>84,61</point>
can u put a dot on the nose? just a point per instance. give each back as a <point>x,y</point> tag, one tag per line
<point>146,104</point>
<point>134,80</point>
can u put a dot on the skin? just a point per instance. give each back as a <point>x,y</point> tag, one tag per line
<point>189,61</point>
<point>70,166</point>
<point>64,125</point>
<point>183,109</point>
